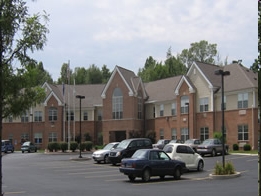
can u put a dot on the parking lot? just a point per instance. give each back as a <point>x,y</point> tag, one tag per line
<point>47,174</point>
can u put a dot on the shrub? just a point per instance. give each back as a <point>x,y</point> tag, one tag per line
<point>83,146</point>
<point>73,146</point>
<point>247,147</point>
<point>63,146</point>
<point>53,146</point>
<point>227,170</point>
<point>88,145</point>
<point>235,147</point>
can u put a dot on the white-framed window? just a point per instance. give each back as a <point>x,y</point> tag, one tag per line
<point>242,100</point>
<point>25,117</point>
<point>117,104</point>
<point>38,116</point>
<point>161,110</point>
<point>52,137</point>
<point>52,114</point>
<point>184,134</point>
<point>70,116</point>
<point>99,114</point>
<point>242,132</point>
<point>173,134</point>
<point>203,104</point>
<point>38,138</point>
<point>173,109</point>
<point>183,105</point>
<point>85,115</point>
<point>204,133</point>
<point>161,133</point>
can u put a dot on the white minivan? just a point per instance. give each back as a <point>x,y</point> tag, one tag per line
<point>186,154</point>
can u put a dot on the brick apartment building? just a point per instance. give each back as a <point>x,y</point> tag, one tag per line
<point>180,107</point>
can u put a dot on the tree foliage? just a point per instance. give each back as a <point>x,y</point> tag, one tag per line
<point>81,75</point>
<point>20,35</point>
<point>154,70</point>
<point>199,51</point>
<point>14,20</point>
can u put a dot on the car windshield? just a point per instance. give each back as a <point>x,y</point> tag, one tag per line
<point>168,149</point>
<point>139,154</point>
<point>26,144</point>
<point>108,146</point>
<point>123,144</point>
<point>206,142</point>
<point>189,142</point>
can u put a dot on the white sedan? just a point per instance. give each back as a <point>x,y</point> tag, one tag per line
<point>103,154</point>
<point>185,153</point>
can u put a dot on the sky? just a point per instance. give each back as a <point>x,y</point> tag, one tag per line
<point>127,32</point>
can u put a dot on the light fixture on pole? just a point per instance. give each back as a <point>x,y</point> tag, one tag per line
<point>80,97</point>
<point>222,73</point>
<point>187,104</point>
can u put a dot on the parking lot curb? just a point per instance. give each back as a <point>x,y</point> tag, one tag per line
<point>80,159</point>
<point>220,177</point>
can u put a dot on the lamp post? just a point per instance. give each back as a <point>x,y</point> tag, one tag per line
<point>80,97</point>
<point>222,73</point>
<point>187,104</point>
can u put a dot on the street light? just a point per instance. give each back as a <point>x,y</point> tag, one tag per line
<point>187,104</point>
<point>222,73</point>
<point>80,97</point>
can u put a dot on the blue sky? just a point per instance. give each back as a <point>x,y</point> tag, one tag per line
<point>127,32</point>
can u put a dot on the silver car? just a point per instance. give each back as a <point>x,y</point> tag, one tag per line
<point>103,154</point>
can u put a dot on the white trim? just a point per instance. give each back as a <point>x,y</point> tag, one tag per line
<point>49,96</point>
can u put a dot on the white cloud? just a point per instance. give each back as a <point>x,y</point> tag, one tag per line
<point>126,32</point>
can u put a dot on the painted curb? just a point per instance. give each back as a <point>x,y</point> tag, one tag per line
<point>219,177</point>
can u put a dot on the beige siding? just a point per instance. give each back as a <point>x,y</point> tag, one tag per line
<point>202,87</point>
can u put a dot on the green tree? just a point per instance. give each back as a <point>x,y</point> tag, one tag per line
<point>19,33</point>
<point>173,65</point>
<point>94,75</point>
<point>199,51</point>
<point>66,74</point>
<point>38,74</point>
<point>80,75</point>
<point>106,74</point>
<point>146,72</point>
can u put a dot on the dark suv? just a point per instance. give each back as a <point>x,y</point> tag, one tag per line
<point>126,149</point>
<point>7,146</point>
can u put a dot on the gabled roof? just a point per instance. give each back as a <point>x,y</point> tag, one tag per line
<point>54,91</point>
<point>240,78</point>
<point>131,81</point>
<point>208,73</point>
<point>162,90</point>
<point>92,93</point>
<point>188,82</point>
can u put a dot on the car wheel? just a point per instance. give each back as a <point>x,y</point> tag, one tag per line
<point>146,175</point>
<point>131,177</point>
<point>200,165</point>
<point>213,153</point>
<point>22,151</point>
<point>177,173</point>
<point>106,159</point>
<point>29,151</point>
